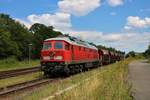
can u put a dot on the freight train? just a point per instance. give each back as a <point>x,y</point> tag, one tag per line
<point>65,55</point>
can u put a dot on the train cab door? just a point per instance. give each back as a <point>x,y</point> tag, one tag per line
<point>72,52</point>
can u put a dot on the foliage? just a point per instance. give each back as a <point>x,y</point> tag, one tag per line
<point>7,45</point>
<point>15,38</point>
<point>130,54</point>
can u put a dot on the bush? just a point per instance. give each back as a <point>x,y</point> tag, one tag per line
<point>147,52</point>
<point>10,60</point>
<point>130,54</point>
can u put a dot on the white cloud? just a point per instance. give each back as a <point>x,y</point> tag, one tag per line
<point>137,22</point>
<point>78,7</point>
<point>90,36</point>
<point>121,41</point>
<point>115,37</point>
<point>95,36</point>
<point>60,21</point>
<point>115,3</point>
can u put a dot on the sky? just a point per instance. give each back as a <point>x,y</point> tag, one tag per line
<point>122,24</point>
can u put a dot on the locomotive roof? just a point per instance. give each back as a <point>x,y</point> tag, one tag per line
<point>74,41</point>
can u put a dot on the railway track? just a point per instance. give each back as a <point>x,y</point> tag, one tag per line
<point>10,90</point>
<point>17,72</point>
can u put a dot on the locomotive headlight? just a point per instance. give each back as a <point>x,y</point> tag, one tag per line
<point>46,58</point>
<point>58,57</point>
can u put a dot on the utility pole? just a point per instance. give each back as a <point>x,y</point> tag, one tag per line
<point>30,45</point>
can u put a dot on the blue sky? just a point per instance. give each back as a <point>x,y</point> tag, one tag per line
<point>123,24</point>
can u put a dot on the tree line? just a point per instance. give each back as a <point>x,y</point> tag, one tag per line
<point>16,37</point>
<point>147,52</point>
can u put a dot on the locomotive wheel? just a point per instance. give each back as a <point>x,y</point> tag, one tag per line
<point>46,74</point>
<point>77,68</point>
<point>74,69</point>
<point>81,68</point>
<point>60,71</point>
<point>71,68</point>
<point>66,71</point>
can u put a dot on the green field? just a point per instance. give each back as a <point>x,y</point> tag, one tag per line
<point>104,83</point>
<point>109,84</point>
<point>12,63</point>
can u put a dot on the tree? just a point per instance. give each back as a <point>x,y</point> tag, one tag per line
<point>130,54</point>
<point>15,37</point>
<point>18,34</point>
<point>147,52</point>
<point>7,46</point>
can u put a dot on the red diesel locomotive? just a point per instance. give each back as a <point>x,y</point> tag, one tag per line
<point>65,55</point>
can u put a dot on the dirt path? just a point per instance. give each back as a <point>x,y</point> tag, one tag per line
<point>139,76</point>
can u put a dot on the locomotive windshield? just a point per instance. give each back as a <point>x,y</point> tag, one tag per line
<point>58,45</point>
<point>47,45</point>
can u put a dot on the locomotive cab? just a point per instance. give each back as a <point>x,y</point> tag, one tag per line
<point>54,53</point>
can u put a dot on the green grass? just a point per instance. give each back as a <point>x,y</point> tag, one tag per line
<point>12,63</point>
<point>140,56</point>
<point>105,83</point>
<point>19,79</point>
<point>110,84</point>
